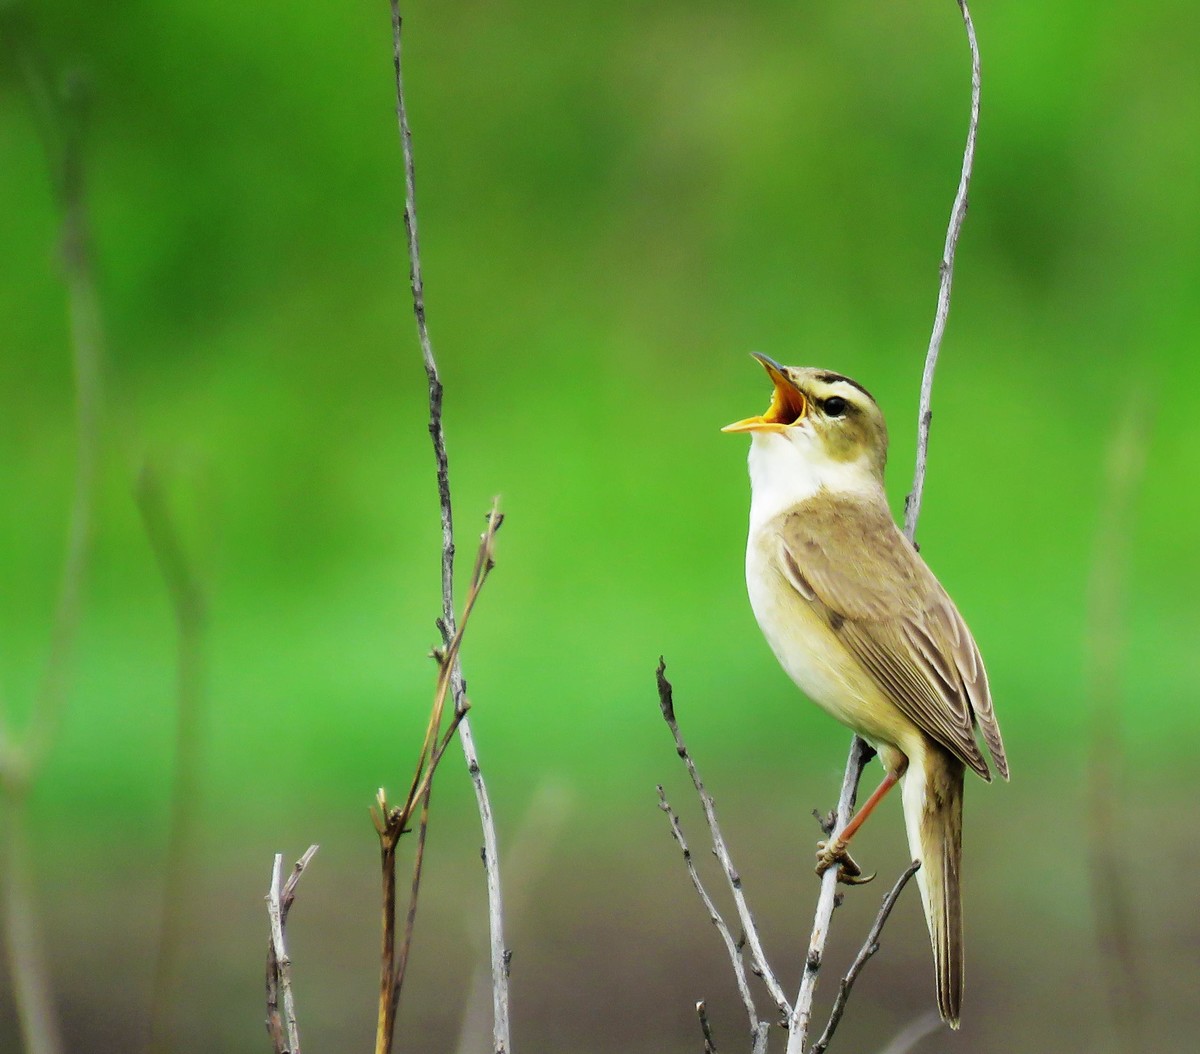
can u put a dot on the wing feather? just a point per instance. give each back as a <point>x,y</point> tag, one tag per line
<point>895,619</point>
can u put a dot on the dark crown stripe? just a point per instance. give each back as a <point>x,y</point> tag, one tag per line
<point>833,378</point>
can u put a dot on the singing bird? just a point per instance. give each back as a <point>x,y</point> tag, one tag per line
<point>860,623</point>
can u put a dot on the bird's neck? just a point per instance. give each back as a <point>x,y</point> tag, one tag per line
<point>784,474</point>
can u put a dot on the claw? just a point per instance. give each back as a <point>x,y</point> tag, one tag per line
<point>834,852</point>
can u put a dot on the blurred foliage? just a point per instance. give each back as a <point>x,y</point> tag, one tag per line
<point>617,203</point>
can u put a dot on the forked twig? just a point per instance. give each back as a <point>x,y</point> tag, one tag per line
<point>392,822</point>
<point>732,946</point>
<point>499,953</point>
<point>757,957</point>
<point>869,948</point>
<point>801,1015</point>
<point>283,1028</point>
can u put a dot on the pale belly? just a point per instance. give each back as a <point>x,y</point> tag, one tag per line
<point>813,657</point>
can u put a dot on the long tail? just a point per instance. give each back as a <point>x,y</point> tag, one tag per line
<point>933,791</point>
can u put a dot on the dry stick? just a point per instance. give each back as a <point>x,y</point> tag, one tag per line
<point>801,1016</point>
<point>869,948</point>
<point>60,120</point>
<point>1104,647</point>
<point>731,945</point>
<point>188,605</point>
<point>499,953</point>
<point>757,956</point>
<point>284,1030</point>
<point>393,822</point>
<point>710,1045</point>
<point>802,1013</point>
<point>958,213</point>
<point>525,859</point>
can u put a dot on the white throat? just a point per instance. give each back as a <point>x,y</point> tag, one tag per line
<point>788,469</point>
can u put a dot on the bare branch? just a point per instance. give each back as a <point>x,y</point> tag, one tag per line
<point>801,1015</point>
<point>732,946</point>
<point>757,957</point>
<point>392,822</point>
<point>869,948</point>
<point>283,1029</point>
<point>958,213</point>
<point>499,953</point>
<point>710,1046</point>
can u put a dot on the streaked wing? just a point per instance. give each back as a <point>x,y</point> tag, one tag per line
<point>892,614</point>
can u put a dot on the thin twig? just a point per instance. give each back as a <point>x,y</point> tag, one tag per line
<point>1104,647</point>
<point>869,948</point>
<point>283,1029</point>
<point>392,822</point>
<point>526,857</point>
<point>188,605</point>
<point>710,1046</point>
<point>731,946</point>
<point>502,1043</point>
<point>801,1015</point>
<point>958,213</point>
<point>757,956</point>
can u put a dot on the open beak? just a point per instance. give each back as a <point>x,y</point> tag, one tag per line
<point>788,404</point>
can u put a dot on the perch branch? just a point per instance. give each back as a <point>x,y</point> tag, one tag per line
<point>757,958</point>
<point>499,953</point>
<point>869,948</point>
<point>802,1014</point>
<point>283,1028</point>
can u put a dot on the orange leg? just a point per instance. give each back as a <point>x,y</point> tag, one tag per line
<point>834,851</point>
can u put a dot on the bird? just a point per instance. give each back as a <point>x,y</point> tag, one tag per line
<point>858,621</point>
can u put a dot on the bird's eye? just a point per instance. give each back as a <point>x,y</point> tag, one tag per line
<point>834,406</point>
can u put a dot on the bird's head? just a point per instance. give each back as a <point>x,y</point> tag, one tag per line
<point>824,424</point>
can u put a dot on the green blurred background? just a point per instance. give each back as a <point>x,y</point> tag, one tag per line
<point>617,202</point>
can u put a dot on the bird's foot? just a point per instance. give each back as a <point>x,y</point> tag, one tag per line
<point>833,853</point>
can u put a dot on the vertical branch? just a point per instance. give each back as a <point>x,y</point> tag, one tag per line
<point>393,822</point>
<point>282,1027</point>
<point>499,953</point>
<point>1104,648</point>
<point>800,1020</point>
<point>958,213</point>
<point>187,603</point>
<point>801,1016</point>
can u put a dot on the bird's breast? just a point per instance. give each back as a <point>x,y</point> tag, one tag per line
<point>811,653</point>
